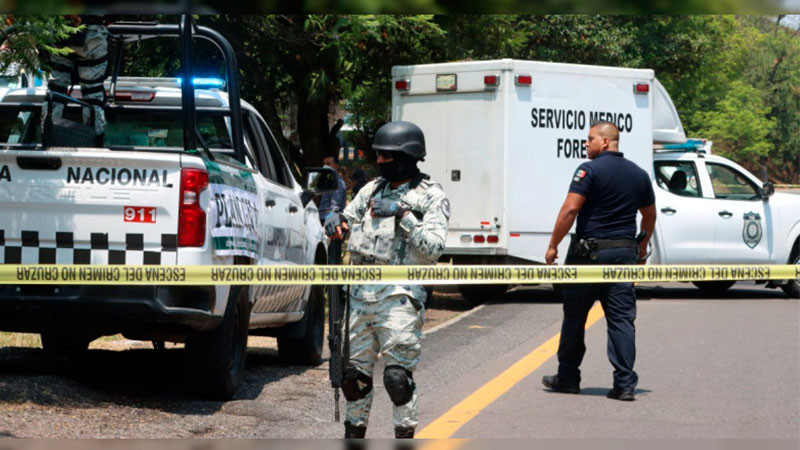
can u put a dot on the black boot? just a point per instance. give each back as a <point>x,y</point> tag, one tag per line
<point>403,433</point>
<point>353,432</point>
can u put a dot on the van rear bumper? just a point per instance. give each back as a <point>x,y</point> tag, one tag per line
<point>133,310</point>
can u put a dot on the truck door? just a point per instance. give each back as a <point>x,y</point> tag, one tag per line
<point>743,224</point>
<point>285,244</point>
<point>686,225</point>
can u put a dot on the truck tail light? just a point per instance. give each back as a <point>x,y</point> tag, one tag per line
<point>191,217</point>
<point>403,85</point>
<point>491,81</point>
<point>523,80</point>
<point>641,88</point>
<point>492,239</point>
<point>478,239</point>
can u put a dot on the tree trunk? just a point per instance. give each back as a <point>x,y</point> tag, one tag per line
<point>762,171</point>
<point>313,127</point>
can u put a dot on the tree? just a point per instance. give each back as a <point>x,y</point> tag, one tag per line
<point>739,125</point>
<point>23,37</point>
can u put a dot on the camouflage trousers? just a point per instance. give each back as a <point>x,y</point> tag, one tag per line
<point>391,327</point>
<point>94,47</point>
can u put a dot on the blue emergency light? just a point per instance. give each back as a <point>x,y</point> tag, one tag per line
<point>201,82</point>
<point>690,144</point>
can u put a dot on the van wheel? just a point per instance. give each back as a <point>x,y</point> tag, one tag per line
<point>217,356</point>
<point>307,349</point>
<point>475,294</point>
<point>64,344</point>
<point>713,287</point>
<point>792,288</point>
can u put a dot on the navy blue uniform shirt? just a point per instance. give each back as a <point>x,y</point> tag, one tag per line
<point>615,189</point>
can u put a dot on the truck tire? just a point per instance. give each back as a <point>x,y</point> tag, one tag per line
<point>475,294</point>
<point>792,288</point>
<point>64,344</point>
<point>217,356</point>
<point>307,349</point>
<point>713,287</point>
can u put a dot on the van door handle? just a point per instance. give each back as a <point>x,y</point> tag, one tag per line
<point>668,210</point>
<point>270,203</point>
<point>725,214</point>
<point>293,209</point>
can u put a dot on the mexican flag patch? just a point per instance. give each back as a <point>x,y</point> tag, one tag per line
<point>579,174</point>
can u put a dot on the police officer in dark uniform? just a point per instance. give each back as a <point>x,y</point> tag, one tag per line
<point>605,194</point>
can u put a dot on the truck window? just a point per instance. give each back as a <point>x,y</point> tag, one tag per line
<point>728,183</point>
<point>679,178</point>
<point>253,134</point>
<point>281,169</point>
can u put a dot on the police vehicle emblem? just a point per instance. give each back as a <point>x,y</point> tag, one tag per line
<point>751,233</point>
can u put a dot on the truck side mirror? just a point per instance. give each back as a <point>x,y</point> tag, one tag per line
<point>767,190</point>
<point>320,180</point>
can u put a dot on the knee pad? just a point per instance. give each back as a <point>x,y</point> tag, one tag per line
<point>399,383</point>
<point>355,385</point>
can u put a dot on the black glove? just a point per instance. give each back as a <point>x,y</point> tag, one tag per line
<point>388,208</point>
<point>331,222</point>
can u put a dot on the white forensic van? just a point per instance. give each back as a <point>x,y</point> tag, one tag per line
<point>144,199</point>
<point>506,136</point>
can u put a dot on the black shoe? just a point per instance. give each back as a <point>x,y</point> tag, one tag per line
<point>552,382</point>
<point>403,433</point>
<point>619,394</point>
<point>354,432</point>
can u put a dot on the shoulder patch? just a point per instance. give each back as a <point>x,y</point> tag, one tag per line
<point>579,175</point>
<point>446,208</point>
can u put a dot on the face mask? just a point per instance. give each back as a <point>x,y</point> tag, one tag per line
<point>396,170</point>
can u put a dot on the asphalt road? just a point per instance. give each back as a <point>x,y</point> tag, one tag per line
<point>708,368</point>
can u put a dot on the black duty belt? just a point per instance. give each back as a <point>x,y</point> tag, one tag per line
<point>602,244</point>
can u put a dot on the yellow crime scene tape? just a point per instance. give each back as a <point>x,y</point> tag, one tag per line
<point>428,275</point>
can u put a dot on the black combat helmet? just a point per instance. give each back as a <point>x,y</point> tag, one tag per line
<point>402,137</point>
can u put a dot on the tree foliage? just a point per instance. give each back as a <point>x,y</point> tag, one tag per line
<point>733,79</point>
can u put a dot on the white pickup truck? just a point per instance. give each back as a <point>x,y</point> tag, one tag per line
<point>506,136</point>
<point>143,199</point>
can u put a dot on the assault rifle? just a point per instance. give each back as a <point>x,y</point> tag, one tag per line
<point>338,339</point>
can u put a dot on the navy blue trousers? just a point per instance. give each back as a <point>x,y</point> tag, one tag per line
<point>619,304</point>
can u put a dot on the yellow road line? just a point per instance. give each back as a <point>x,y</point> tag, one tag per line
<point>446,425</point>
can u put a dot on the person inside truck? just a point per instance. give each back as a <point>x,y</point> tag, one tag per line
<point>604,195</point>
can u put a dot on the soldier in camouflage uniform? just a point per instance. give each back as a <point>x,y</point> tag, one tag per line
<point>399,218</point>
<point>90,54</point>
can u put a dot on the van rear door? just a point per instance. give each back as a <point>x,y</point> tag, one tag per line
<point>464,152</point>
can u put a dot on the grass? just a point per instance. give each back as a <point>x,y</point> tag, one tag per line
<point>32,340</point>
<point>19,340</point>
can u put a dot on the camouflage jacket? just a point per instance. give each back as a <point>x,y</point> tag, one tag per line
<point>418,238</point>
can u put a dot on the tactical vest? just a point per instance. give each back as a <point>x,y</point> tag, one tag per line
<point>379,240</point>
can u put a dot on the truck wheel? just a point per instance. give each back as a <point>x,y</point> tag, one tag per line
<point>64,344</point>
<point>475,294</point>
<point>713,287</point>
<point>792,288</point>
<point>307,349</point>
<point>217,356</point>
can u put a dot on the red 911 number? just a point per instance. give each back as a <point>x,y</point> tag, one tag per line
<point>139,214</point>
